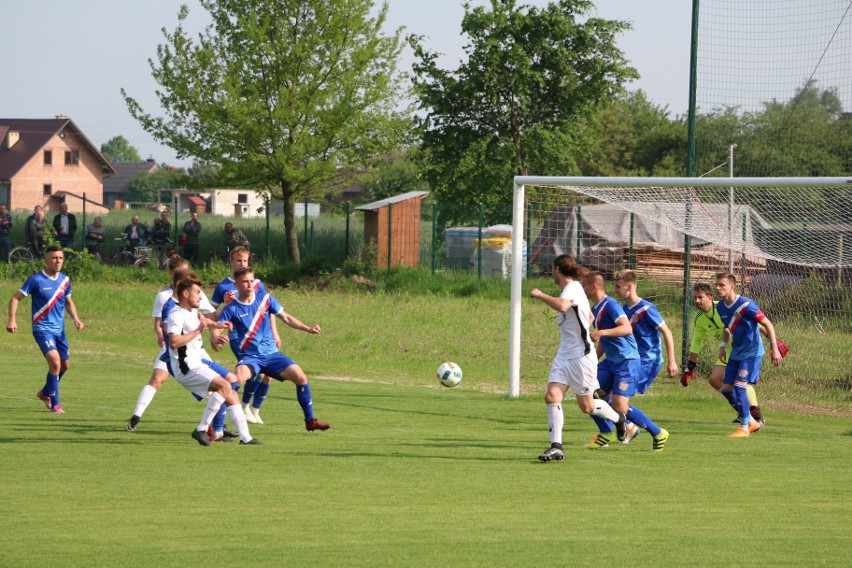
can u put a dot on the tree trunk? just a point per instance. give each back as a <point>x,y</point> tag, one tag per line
<point>291,234</point>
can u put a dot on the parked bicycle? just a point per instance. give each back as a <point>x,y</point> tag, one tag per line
<point>137,256</point>
<point>22,253</point>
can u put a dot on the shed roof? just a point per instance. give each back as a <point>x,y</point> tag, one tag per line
<point>391,200</point>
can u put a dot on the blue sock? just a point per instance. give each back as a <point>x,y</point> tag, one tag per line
<point>638,417</point>
<point>303,395</point>
<point>218,423</point>
<point>604,426</point>
<point>51,388</point>
<point>260,395</point>
<point>742,395</point>
<point>248,391</point>
<point>731,396</point>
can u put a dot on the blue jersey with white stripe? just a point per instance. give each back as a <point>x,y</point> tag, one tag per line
<point>48,300</point>
<point>646,320</point>
<point>606,313</point>
<point>252,324</point>
<point>228,285</point>
<point>742,318</point>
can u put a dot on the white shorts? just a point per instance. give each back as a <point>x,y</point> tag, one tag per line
<point>198,380</point>
<point>580,375</point>
<point>161,365</point>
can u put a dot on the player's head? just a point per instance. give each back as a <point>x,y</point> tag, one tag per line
<point>568,267</point>
<point>238,257</point>
<point>176,262</point>
<point>594,284</point>
<point>183,273</point>
<point>244,281</point>
<point>624,283</point>
<point>189,292</point>
<point>726,283</point>
<point>702,295</point>
<point>53,259</point>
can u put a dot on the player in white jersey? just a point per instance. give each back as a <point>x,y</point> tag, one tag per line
<point>576,361</point>
<point>192,367</point>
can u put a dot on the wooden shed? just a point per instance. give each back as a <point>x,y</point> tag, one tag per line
<point>393,224</point>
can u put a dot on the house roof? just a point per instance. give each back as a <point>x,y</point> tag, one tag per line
<point>34,134</point>
<point>197,200</point>
<point>391,200</point>
<point>125,172</point>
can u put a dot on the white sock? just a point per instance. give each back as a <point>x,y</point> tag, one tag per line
<point>213,405</point>
<point>555,422</point>
<point>238,417</point>
<point>146,395</point>
<point>605,411</point>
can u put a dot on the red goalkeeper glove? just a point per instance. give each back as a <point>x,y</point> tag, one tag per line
<point>688,373</point>
<point>782,347</point>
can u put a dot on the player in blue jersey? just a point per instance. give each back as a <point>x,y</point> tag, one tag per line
<point>742,318</point>
<point>257,388</point>
<point>250,314</point>
<point>648,327</point>
<point>617,373</point>
<point>50,290</point>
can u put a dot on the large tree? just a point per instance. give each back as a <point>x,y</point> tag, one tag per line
<point>520,102</point>
<point>118,149</point>
<point>282,95</point>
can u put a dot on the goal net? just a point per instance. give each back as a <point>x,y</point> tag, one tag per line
<point>788,241</point>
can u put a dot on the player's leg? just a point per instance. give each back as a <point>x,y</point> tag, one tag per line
<point>260,393</point>
<point>49,393</point>
<point>623,390</point>
<point>286,369</point>
<point>605,376</point>
<point>234,409</point>
<point>159,374</point>
<point>553,395</point>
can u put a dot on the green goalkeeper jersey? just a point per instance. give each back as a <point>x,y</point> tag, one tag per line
<point>707,323</point>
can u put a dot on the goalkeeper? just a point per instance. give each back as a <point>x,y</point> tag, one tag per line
<point>708,322</point>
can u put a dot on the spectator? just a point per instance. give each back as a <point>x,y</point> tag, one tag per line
<point>65,227</point>
<point>6,223</point>
<point>95,236</point>
<point>135,234</point>
<point>191,230</point>
<point>234,237</point>
<point>162,229</point>
<point>36,226</point>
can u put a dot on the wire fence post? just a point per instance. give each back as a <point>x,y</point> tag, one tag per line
<point>82,240</point>
<point>434,237</point>
<point>479,245</point>
<point>346,206</point>
<point>268,243</point>
<point>631,259</point>
<point>306,225</point>
<point>176,225</point>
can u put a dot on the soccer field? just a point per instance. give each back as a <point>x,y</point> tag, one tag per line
<point>411,474</point>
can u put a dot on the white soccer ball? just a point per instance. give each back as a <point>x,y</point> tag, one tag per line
<point>449,374</point>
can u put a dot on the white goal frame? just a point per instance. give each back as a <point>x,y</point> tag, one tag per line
<point>518,204</point>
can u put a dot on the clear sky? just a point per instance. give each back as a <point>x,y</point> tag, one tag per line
<point>73,57</point>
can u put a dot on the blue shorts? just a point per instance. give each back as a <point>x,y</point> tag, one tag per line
<point>270,365</point>
<point>48,341</point>
<point>650,368</point>
<point>747,370</point>
<point>619,378</point>
<point>220,370</point>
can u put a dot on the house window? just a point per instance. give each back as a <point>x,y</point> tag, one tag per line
<point>242,198</point>
<point>48,157</point>
<point>72,158</point>
<point>48,189</point>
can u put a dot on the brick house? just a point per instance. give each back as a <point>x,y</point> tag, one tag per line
<point>47,162</point>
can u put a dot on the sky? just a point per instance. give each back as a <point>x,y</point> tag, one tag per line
<point>72,58</point>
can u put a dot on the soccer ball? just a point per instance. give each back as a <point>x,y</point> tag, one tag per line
<point>449,374</point>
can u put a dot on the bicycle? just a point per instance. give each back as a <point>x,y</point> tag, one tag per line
<point>162,252</point>
<point>22,253</point>
<point>137,256</point>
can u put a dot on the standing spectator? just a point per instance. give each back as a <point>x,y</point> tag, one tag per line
<point>234,237</point>
<point>162,229</point>
<point>135,234</point>
<point>191,230</point>
<point>5,228</point>
<point>65,227</point>
<point>95,236</point>
<point>36,226</point>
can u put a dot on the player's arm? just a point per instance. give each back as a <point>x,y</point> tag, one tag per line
<point>72,311</point>
<point>558,304</point>
<point>275,335</point>
<point>294,322</point>
<point>774,352</point>
<point>668,340</point>
<point>621,329</point>
<point>12,324</point>
<point>177,340</point>
<point>158,331</point>
<point>723,346</point>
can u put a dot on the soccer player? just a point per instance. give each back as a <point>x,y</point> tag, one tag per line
<point>250,314</point>
<point>258,387</point>
<point>194,370</point>
<point>576,362</point>
<point>51,295</point>
<point>618,372</point>
<point>648,326</point>
<point>742,318</point>
<point>708,323</point>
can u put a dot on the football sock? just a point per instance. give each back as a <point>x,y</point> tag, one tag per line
<point>605,411</point>
<point>238,417</point>
<point>731,398</point>
<point>742,397</point>
<point>604,426</point>
<point>214,403</point>
<point>218,423</point>
<point>638,417</point>
<point>146,395</point>
<point>51,388</point>
<point>303,395</point>
<point>248,390</point>
<point>555,422</point>
<point>752,395</point>
<point>260,395</point>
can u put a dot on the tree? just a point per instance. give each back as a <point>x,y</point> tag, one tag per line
<point>520,102</point>
<point>281,95</point>
<point>118,149</point>
<point>144,187</point>
<point>398,174</point>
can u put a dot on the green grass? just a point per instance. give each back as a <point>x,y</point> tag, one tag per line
<point>411,474</point>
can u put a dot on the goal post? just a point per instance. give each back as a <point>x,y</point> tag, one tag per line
<point>788,241</point>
